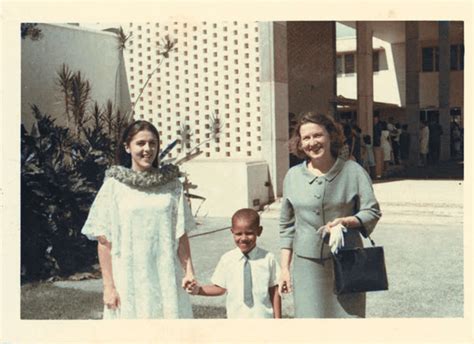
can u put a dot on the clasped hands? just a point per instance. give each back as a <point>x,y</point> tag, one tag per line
<point>190,285</point>
<point>336,230</point>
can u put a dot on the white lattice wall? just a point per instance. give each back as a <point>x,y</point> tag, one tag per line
<point>216,69</point>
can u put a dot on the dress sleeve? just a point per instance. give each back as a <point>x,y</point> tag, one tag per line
<point>99,220</point>
<point>287,217</point>
<point>185,221</point>
<point>369,210</point>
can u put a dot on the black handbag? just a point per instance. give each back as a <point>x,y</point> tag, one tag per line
<point>359,269</point>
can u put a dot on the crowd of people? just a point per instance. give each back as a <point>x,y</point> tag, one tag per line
<point>391,140</point>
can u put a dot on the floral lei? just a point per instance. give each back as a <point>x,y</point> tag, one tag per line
<point>154,177</point>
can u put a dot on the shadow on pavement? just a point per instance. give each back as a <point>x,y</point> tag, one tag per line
<point>448,170</point>
<point>209,312</point>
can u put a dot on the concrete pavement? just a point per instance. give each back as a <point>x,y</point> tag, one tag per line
<point>421,230</point>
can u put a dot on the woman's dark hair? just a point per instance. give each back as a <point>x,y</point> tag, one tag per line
<point>334,129</point>
<point>121,155</point>
<point>367,139</point>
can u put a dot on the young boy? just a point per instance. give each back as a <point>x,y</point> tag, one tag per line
<point>248,274</point>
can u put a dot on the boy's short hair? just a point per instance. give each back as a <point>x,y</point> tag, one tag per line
<point>247,214</point>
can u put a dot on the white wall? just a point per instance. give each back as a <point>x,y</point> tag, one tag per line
<point>389,84</point>
<point>92,52</point>
<point>227,185</point>
<point>388,81</point>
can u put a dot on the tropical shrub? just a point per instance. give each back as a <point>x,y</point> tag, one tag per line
<point>59,179</point>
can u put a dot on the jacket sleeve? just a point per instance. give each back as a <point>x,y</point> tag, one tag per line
<point>287,217</point>
<point>368,208</point>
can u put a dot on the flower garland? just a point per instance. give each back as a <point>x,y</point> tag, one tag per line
<point>146,179</point>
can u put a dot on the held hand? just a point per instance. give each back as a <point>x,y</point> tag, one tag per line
<point>111,298</point>
<point>193,288</point>
<point>323,231</point>
<point>188,282</point>
<point>285,287</point>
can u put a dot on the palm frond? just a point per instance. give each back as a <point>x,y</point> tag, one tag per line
<point>188,157</point>
<point>168,149</point>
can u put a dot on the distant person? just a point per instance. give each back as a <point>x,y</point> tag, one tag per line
<point>324,193</point>
<point>391,127</point>
<point>456,139</point>
<point>357,137</point>
<point>404,144</point>
<point>386,146</point>
<point>349,140</point>
<point>368,156</point>
<point>248,274</point>
<point>434,142</point>
<point>395,139</point>
<point>424,142</point>
<point>292,120</point>
<point>378,153</point>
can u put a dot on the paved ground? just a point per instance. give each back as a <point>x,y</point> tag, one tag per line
<point>421,230</point>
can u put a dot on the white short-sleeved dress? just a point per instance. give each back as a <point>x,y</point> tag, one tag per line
<point>144,226</point>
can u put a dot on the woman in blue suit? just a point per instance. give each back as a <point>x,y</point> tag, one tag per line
<point>325,189</point>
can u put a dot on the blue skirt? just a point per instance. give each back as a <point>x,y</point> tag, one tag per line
<point>313,292</point>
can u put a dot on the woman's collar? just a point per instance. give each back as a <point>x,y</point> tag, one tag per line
<point>329,176</point>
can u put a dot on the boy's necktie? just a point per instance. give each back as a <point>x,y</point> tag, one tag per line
<point>248,296</point>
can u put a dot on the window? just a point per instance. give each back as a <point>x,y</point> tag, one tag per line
<point>430,59</point>
<point>457,57</point>
<point>339,64</point>
<point>375,61</point>
<point>349,63</point>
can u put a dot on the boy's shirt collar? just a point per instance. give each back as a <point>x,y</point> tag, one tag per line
<point>251,254</point>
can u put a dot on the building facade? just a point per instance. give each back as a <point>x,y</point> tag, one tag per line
<point>417,73</point>
<point>251,76</point>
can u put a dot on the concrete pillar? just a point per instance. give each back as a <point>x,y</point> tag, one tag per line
<point>365,77</point>
<point>443,84</point>
<point>274,102</point>
<point>311,66</point>
<point>412,89</point>
<point>333,108</point>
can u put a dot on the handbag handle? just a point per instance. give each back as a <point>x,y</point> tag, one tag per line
<point>322,246</point>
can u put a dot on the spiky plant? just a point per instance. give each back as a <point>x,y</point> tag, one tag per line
<point>164,49</point>
<point>122,39</point>
<point>63,82</point>
<point>108,117</point>
<point>80,97</point>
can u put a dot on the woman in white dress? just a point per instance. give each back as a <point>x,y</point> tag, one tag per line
<point>140,219</point>
<point>386,146</point>
<point>424,142</point>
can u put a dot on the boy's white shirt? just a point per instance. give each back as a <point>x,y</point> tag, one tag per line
<point>229,275</point>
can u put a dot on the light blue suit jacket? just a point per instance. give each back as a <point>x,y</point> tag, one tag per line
<point>309,202</point>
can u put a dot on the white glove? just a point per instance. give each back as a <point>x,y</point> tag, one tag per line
<point>322,231</point>
<point>336,238</point>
